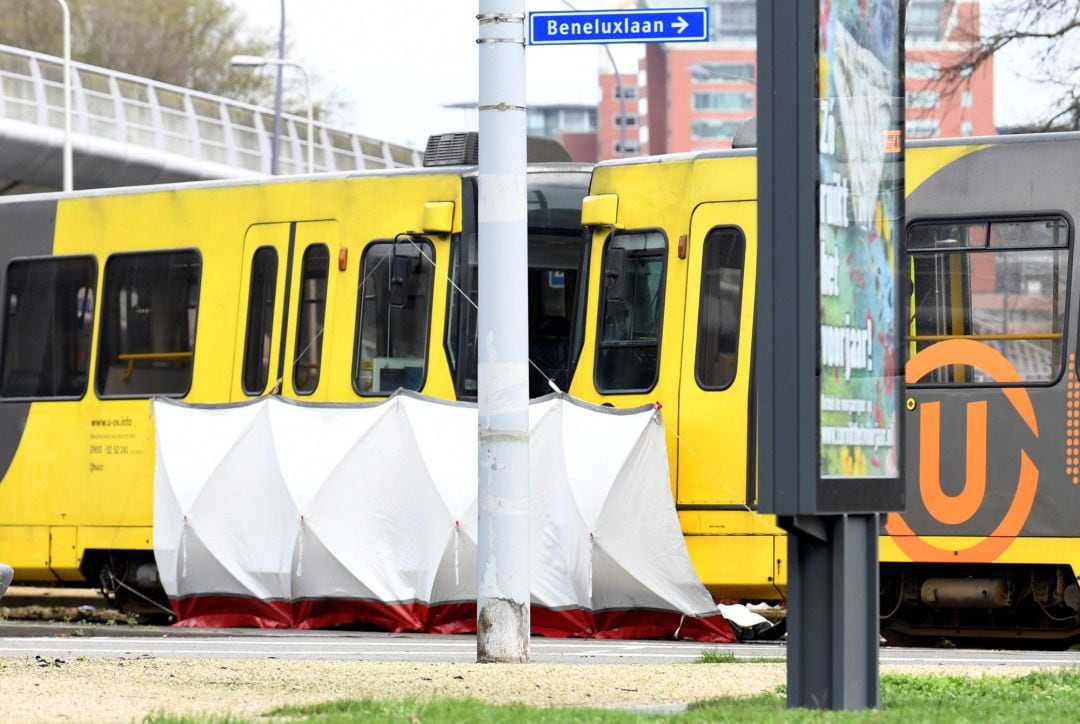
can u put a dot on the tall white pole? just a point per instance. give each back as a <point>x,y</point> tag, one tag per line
<point>503,620</point>
<point>69,173</point>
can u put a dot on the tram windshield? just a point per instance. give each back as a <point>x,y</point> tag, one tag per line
<point>556,277</point>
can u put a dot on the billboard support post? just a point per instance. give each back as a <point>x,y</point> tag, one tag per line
<point>830,190</point>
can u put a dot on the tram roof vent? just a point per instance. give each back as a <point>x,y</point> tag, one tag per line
<point>453,149</point>
<point>463,149</point>
<point>746,136</point>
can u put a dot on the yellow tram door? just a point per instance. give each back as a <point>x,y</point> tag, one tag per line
<point>286,281</point>
<point>731,546</point>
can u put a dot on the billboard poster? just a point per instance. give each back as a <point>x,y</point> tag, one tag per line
<point>860,225</point>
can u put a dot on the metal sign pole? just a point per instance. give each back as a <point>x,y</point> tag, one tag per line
<point>830,187</point>
<point>503,621</point>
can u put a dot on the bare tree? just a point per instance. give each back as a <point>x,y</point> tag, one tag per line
<point>182,42</point>
<point>1047,31</point>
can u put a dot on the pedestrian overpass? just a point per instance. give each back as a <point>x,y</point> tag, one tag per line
<point>128,130</point>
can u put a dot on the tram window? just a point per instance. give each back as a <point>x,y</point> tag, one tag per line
<point>260,320</point>
<point>393,317</point>
<point>628,354</point>
<point>48,325</point>
<point>718,317</point>
<point>555,295</point>
<point>557,254</point>
<point>311,314</point>
<point>148,313</point>
<point>1000,283</point>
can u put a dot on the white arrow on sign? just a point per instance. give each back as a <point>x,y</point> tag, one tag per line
<point>680,24</point>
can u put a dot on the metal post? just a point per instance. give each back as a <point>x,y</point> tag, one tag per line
<point>310,115</point>
<point>832,537</point>
<point>619,87</point>
<point>255,61</point>
<point>833,609</point>
<point>277,97</point>
<point>503,620</point>
<point>69,162</point>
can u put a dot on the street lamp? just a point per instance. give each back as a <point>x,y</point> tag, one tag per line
<point>257,61</point>
<point>69,175</point>
<point>618,89</point>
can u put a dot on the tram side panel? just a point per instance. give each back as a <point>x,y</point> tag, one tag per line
<point>28,232</point>
<point>993,435</point>
<point>703,211</point>
<point>125,275</point>
<point>157,299</point>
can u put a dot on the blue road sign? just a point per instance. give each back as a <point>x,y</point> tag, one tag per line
<point>681,25</point>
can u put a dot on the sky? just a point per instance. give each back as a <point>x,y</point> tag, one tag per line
<point>395,65</point>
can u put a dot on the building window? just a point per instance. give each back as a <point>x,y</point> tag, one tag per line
<point>393,316</point>
<point>922,70</point>
<point>722,101</point>
<point>632,146</point>
<point>149,308</point>
<point>629,92</point>
<point>721,300</point>
<point>965,99</point>
<point>925,22</point>
<point>310,316</point>
<point>1001,283</point>
<point>734,20</point>
<point>536,123</point>
<point>714,130</point>
<point>922,99</point>
<point>629,120</point>
<point>577,120</point>
<point>48,325</point>
<point>262,290</point>
<point>631,312</point>
<point>921,128</point>
<point>966,128</point>
<point>722,72</point>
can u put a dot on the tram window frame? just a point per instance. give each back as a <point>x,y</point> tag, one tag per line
<point>315,339</point>
<point>601,345</point>
<point>75,342</point>
<point>461,325</point>
<point>946,377</point>
<point>259,333</point>
<point>114,331</point>
<point>701,366</point>
<point>547,218</point>
<point>385,308</point>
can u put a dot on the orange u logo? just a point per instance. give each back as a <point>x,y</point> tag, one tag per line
<point>956,509</point>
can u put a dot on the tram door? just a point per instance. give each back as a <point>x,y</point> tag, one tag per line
<point>285,285</point>
<point>714,398</point>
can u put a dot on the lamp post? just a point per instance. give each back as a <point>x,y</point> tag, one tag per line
<point>257,61</point>
<point>618,89</point>
<point>69,174</point>
<point>277,96</point>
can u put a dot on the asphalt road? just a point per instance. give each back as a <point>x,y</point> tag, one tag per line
<point>56,641</point>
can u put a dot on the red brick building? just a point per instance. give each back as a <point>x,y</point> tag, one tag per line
<point>694,96</point>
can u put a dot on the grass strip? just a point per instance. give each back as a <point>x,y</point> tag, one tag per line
<point>1042,696</point>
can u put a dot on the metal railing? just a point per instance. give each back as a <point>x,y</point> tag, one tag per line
<point>143,112</point>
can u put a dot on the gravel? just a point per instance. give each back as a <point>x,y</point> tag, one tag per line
<point>126,690</point>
